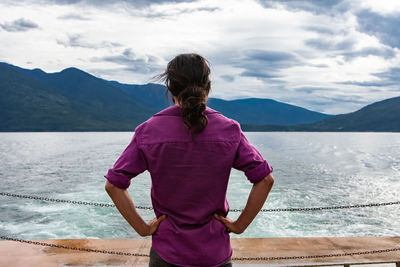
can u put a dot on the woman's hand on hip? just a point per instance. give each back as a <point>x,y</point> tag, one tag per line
<point>152,226</point>
<point>232,226</point>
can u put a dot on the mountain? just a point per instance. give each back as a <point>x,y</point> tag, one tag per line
<point>150,94</point>
<point>70,100</point>
<point>257,111</point>
<point>249,110</point>
<point>74,100</point>
<point>28,105</point>
<point>382,116</point>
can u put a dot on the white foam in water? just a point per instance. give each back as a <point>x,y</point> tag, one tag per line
<point>48,208</point>
<point>310,170</point>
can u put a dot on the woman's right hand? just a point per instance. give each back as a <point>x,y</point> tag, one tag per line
<point>230,225</point>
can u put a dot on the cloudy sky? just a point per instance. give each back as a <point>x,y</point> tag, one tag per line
<point>332,56</point>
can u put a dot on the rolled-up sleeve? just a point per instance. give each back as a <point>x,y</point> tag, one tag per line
<point>130,164</point>
<point>250,161</point>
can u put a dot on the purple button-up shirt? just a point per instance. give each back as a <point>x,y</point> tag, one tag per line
<point>189,182</point>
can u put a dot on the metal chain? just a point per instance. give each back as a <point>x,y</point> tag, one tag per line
<point>232,210</point>
<point>234,258</point>
<point>332,207</point>
<point>68,201</point>
<point>75,248</point>
<point>315,256</point>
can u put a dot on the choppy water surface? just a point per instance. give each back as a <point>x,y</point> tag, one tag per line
<point>310,170</point>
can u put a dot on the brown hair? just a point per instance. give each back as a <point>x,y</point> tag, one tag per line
<point>187,78</point>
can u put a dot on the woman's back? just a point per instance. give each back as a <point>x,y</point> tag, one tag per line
<point>189,179</point>
<point>189,182</point>
<point>189,150</point>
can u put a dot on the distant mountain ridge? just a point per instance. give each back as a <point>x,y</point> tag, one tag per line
<point>258,110</point>
<point>381,116</point>
<point>70,100</point>
<point>74,100</point>
<point>248,110</point>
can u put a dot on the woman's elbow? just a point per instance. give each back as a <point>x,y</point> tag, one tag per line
<point>109,186</point>
<point>266,183</point>
<point>269,180</point>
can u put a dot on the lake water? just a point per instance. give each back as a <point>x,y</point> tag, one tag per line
<point>310,170</point>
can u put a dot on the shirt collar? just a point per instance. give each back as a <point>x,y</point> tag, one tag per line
<point>175,110</point>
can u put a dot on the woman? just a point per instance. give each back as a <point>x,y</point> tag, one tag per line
<point>189,150</point>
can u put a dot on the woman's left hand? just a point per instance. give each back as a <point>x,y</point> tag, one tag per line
<point>152,226</point>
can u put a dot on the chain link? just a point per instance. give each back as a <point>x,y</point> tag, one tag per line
<point>234,258</point>
<point>232,210</point>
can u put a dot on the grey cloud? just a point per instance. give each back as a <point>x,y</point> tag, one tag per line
<point>77,40</point>
<point>137,3</point>
<point>338,100</point>
<point>313,6</point>
<point>150,13</point>
<point>130,62</point>
<point>328,101</point>
<point>313,90</point>
<point>133,3</point>
<point>227,78</point>
<point>386,53</point>
<point>65,1</point>
<point>346,48</point>
<point>349,98</point>
<point>128,53</point>
<point>320,29</point>
<point>140,8</point>
<point>385,28</point>
<point>333,100</point>
<point>206,9</point>
<point>19,25</point>
<point>275,57</point>
<point>198,9</point>
<point>318,65</point>
<point>328,44</point>
<point>72,16</point>
<point>260,74</point>
<point>264,64</point>
<point>375,90</point>
<point>367,84</point>
<point>392,74</point>
<point>385,79</point>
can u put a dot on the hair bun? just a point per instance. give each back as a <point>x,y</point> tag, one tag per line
<point>193,98</point>
<point>187,78</point>
<point>193,105</point>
